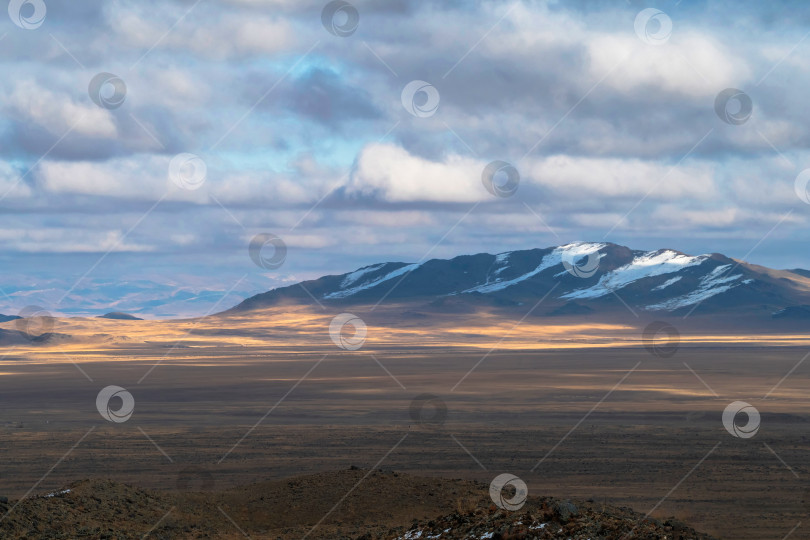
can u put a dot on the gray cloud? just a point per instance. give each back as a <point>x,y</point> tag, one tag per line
<point>613,138</point>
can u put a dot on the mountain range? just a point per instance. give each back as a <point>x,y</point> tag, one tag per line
<point>576,279</point>
<point>153,295</point>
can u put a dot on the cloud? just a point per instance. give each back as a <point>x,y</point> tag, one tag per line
<point>325,97</point>
<point>392,174</point>
<point>145,177</point>
<point>58,114</point>
<point>692,65</point>
<point>59,240</point>
<point>254,188</point>
<point>12,183</point>
<point>390,218</point>
<point>202,31</point>
<point>582,177</point>
<point>304,132</point>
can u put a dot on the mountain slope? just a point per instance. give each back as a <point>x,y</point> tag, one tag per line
<point>594,277</point>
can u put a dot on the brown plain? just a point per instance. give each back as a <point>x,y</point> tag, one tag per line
<point>544,404</point>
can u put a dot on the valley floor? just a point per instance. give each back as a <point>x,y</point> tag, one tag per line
<point>617,426</point>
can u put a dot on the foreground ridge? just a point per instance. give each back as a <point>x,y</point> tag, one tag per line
<point>549,518</point>
<point>389,505</point>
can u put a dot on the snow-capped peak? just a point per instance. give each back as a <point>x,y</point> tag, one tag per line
<point>653,263</point>
<point>568,274</point>
<point>571,252</point>
<point>343,293</point>
<point>712,284</point>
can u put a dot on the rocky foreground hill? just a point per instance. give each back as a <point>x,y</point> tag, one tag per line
<point>379,505</point>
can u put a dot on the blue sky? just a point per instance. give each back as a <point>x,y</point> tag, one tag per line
<point>607,110</point>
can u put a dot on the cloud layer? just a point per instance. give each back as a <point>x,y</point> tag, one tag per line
<point>611,122</point>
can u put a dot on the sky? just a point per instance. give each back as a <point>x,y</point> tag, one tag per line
<point>170,158</point>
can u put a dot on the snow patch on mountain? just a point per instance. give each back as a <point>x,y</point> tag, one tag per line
<point>357,274</point>
<point>667,283</point>
<point>710,285</point>
<point>373,283</point>
<point>650,264</point>
<point>501,258</point>
<point>571,251</point>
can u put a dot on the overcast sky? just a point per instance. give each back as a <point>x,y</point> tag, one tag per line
<point>359,132</point>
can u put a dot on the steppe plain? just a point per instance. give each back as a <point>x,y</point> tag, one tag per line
<point>582,411</point>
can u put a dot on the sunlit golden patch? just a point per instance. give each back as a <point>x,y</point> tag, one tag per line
<point>291,330</point>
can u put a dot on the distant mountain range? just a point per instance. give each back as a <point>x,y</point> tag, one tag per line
<point>576,279</point>
<point>154,296</point>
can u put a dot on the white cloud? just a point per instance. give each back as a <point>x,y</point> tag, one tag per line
<point>684,219</point>
<point>531,30</point>
<point>585,178</point>
<point>394,175</point>
<point>146,177</point>
<point>58,113</point>
<point>204,31</point>
<point>689,64</point>
<point>142,177</point>
<point>254,187</point>
<point>172,87</point>
<point>389,218</point>
<point>63,240</point>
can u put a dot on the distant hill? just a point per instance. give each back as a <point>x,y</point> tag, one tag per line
<point>15,337</point>
<point>582,279</point>
<point>120,316</point>
<point>801,272</point>
<point>7,318</point>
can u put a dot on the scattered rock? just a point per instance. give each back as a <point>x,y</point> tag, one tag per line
<point>565,510</point>
<point>545,518</point>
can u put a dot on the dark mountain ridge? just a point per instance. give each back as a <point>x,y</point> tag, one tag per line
<point>580,278</point>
